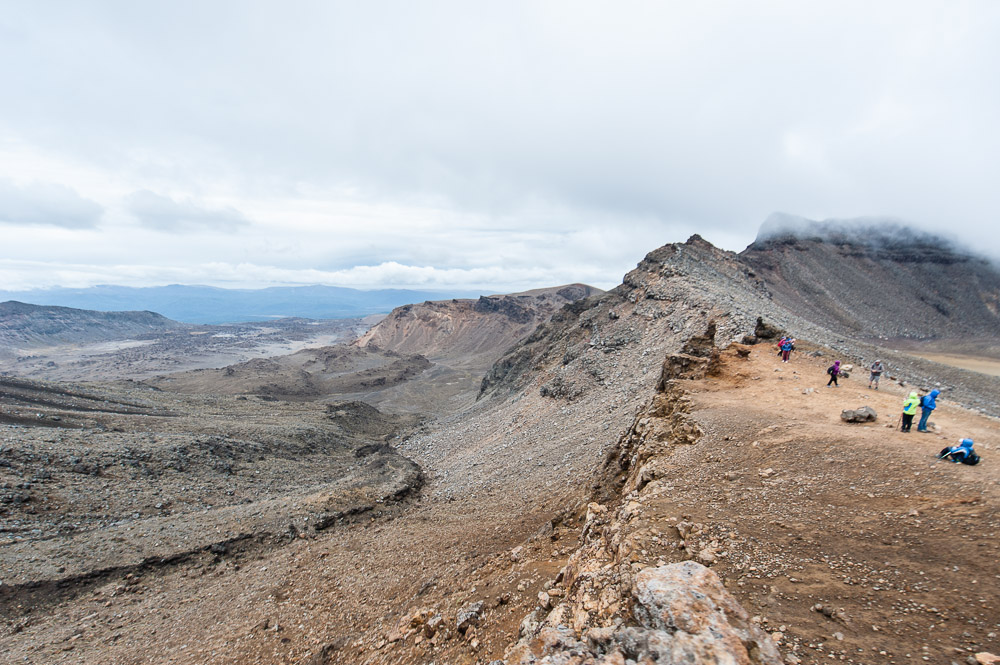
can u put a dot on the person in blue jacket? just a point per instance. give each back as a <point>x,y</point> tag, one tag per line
<point>927,404</point>
<point>963,452</point>
<point>786,348</point>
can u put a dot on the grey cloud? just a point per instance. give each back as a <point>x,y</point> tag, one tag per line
<point>47,204</point>
<point>702,119</point>
<point>877,232</point>
<point>162,213</point>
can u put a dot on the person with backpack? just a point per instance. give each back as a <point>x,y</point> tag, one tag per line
<point>786,349</point>
<point>927,404</point>
<point>963,453</point>
<point>877,368</point>
<point>834,371</point>
<point>909,410</point>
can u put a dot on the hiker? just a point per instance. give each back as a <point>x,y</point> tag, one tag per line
<point>786,349</point>
<point>909,410</point>
<point>834,371</point>
<point>927,404</point>
<point>877,368</point>
<point>963,453</point>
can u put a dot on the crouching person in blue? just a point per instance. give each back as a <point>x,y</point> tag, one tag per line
<point>963,453</point>
<point>927,404</point>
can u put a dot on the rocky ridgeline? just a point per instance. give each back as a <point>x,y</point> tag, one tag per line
<point>606,606</point>
<point>24,325</point>
<point>670,296</point>
<point>678,288</point>
<point>483,327</point>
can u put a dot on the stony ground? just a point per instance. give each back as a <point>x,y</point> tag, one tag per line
<point>851,541</point>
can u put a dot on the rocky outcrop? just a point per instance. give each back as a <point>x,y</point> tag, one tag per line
<point>508,306</point>
<point>486,327</point>
<point>606,606</point>
<point>672,295</point>
<point>684,615</point>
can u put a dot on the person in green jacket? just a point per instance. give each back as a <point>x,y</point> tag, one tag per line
<point>909,410</point>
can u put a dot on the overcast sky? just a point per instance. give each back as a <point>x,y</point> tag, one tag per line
<point>501,146</point>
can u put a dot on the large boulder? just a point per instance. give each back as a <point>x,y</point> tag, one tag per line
<point>696,619</point>
<point>684,614</point>
<point>864,414</point>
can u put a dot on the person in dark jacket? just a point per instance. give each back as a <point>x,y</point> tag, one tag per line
<point>834,371</point>
<point>927,404</point>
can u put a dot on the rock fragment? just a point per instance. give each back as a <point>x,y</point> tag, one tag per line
<point>864,414</point>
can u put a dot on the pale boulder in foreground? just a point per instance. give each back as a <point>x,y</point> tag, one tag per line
<point>685,616</point>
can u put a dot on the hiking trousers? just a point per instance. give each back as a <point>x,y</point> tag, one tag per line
<point>924,415</point>
<point>907,422</point>
<point>833,380</point>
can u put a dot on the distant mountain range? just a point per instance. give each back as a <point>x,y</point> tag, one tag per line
<point>206,304</point>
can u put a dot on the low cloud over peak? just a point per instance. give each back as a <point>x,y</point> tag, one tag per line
<point>872,231</point>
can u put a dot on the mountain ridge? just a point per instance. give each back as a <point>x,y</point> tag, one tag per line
<point>483,327</point>
<point>209,304</point>
<point>28,325</point>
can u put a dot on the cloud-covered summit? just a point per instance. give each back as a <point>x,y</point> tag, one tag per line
<point>875,232</point>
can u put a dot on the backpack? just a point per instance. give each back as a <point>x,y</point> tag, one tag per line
<point>829,370</point>
<point>922,398</point>
<point>970,458</point>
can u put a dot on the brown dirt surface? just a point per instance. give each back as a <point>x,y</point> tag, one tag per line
<point>852,541</point>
